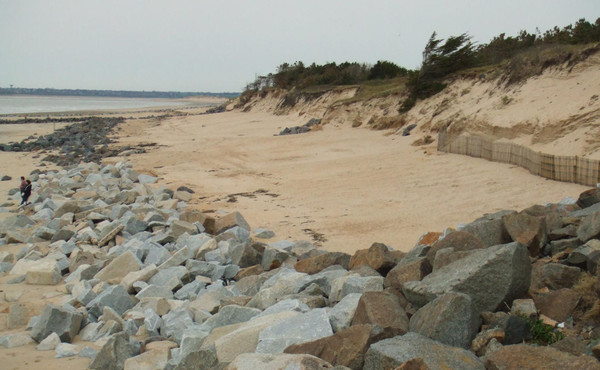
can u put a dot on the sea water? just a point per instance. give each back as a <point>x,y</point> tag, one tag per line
<point>14,104</point>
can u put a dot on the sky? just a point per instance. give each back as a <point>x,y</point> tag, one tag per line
<point>221,45</point>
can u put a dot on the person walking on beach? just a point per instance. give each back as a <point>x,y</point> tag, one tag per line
<point>26,193</point>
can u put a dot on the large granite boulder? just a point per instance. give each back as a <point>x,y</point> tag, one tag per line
<point>522,356</point>
<point>477,276</point>
<point>64,321</point>
<point>379,257</point>
<point>346,347</point>
<point>449,319</point>
<point>527,230</point>
<point>315,264</point>
<point>253,361</point>
<point>382,309</point>
<point>459,241</point>
<point>299,329</point>
<point>393,352</point>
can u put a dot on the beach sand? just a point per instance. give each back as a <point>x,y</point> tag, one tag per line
<point>350,186</point>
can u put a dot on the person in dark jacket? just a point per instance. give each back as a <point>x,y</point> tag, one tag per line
<point>26,193</point>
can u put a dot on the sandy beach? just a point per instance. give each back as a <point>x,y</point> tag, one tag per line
<point>349,187</point>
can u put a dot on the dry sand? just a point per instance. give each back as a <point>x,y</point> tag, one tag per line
<point>352,186</point>
<point>348,187</point>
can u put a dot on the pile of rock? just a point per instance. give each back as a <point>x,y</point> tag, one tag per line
<point>155,285</point>
<point>86,141</point>
<point>300,129</point>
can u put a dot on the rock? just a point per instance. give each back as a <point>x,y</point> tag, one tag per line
<point>229,315</point>
<point>49,344</point>
<point>13,236</point>
<point>345,348</point>
<point>341,315</point>
<point>119,267</point>
<point>581,255</point>
<point>66,350</point>
<point>480,343</point>
<point>147,179</point>
<point>14,340</point>
<point>166,275</point>
<point>523,307</point>
<point>477,276</point>
<point>176,259</point>
<point>557,305</point>
<point>449,319</point>
<point>588,198</point>
<point>522,356</point>
<point>553,275</point>
<point>357,284</point>
<point>572,345</point>
<point>490,230</point>
<point>141,275</point>
<point>115,297</point>
<point>263,233</point>
<point>114,352</point>
<point>243,255</point>
<point>285,305</point>
<point>516,329</point>
<point>44,272</point>
<point>382,309</point>
<point>589,227</point>
<point>200,360</point>
<point>110,233</point>
<point>251,361</point>
<point>155,291</point>
<point>183,196</point>
<point>459,241</point>
<point>408,271</point>
<point>179,227</point>
<point>18,315</point>
<point>149,360</point>
<point>175,322</point>
<point>64,321</point>
<point>393,352</point>
<point>273,258</point>
<point>62,234</point>
<point>378,257</point>
<point>66,207</point>
<point>315,264</point>
<point>228,221</point>
<point>528,230</point>
<point>134,225</point>
<point>305,327</point>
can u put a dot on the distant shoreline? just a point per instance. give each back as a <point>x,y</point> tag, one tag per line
<point>14,91</point>
<point>13,106</point>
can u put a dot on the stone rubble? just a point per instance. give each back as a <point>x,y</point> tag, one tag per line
<point>150,283</point>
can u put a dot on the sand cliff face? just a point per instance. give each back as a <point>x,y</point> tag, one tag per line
<point>556,112</point>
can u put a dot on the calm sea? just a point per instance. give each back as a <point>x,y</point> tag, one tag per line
<point>41,104</point>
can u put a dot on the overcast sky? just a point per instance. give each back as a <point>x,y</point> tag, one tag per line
<point>220,45</point>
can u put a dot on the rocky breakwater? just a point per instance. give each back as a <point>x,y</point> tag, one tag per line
<point>146,283</point>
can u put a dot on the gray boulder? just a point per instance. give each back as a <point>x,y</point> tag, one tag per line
<point>478,276</point>
<point>64,321</point>
<point>340,316</point>
<point>393,352</point>
<point>449,319</point>
<point>229,315</point>
<point>299,329</point>
<point>114,352</point>
<point>115,297</point>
